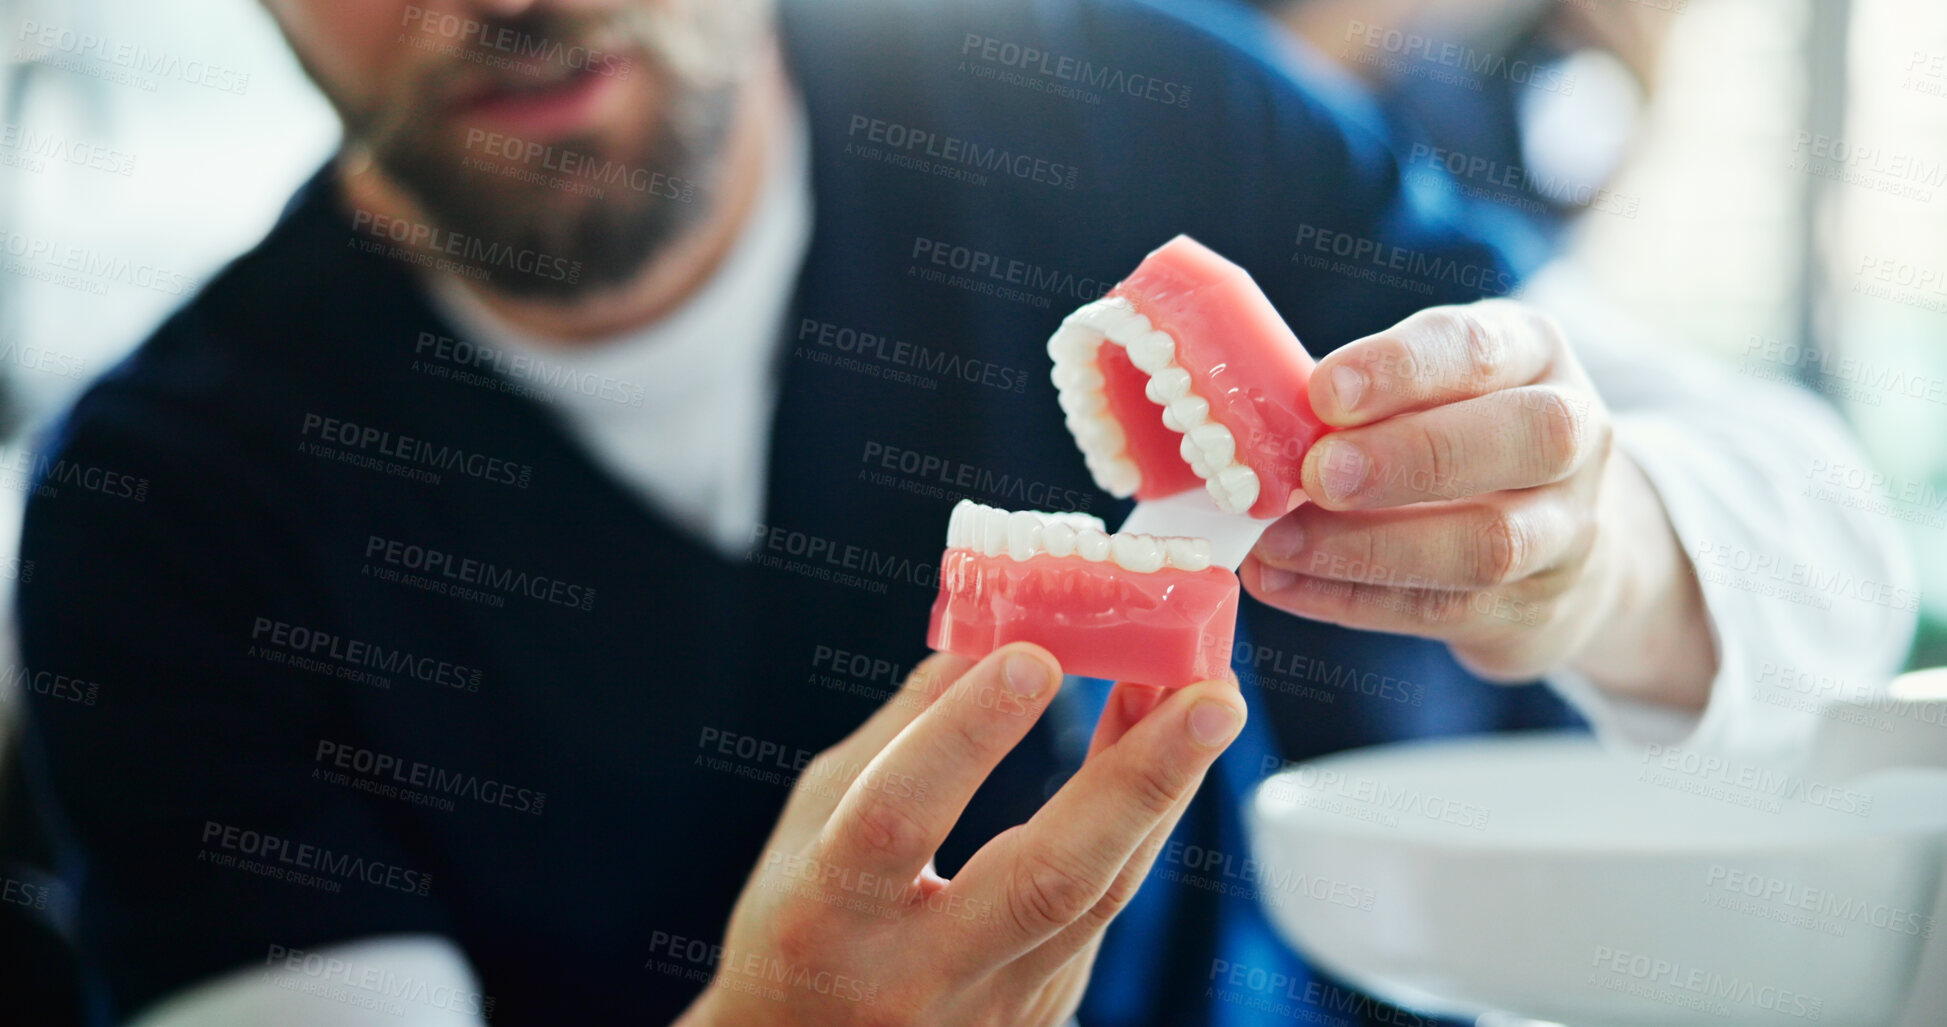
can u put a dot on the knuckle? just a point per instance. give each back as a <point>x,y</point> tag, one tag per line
<point>1441,458</point>
<point>887,827</point>
<point>1562,428</point>
<point>1050,891</point>
<point>1440,608</point>
<point>1156,786</point>
<point>1501,547</point>
<point>1482,352</point>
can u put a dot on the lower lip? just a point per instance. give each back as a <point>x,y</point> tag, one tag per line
<point>551,113</point>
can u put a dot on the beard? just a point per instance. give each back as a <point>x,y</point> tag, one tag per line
<point>636,186</point>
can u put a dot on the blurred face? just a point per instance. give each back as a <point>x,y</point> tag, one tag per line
<point>584,129</point>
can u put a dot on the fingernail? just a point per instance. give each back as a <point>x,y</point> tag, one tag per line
<point>1212,723</point>
<point>1342,469</point>
<point>1024,675</point>
<point>1271,579</point>
<point>1282,540</point>
<point>1349,386</point>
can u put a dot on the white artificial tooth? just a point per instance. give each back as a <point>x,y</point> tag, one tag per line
<point>956,525</point>
<point>1216,442</point>
<point>1240,483</point>
<point>1194,457</point>
<point>1139,553</point>
<point>1058,539</point>
<point>1219,495</point>
<point>1100,315</point>
<point>1190,411</point>
<point>1078,402</point>
<point>1072,345</point>
<point>1123,478</point>
<point>1168,384</point>
<point>1097,432</point>
<point>1076,520</point>
<point>993,532</point>
<point>1023,534</point>
<point>1092,545</point>
<point>1121,322</point>
<point>1189,554</point>
<point>1151,351</point>
<point>1170,421</point>
<point>1083,376</point>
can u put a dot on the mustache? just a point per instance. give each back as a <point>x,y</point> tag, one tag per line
<point>702,45</point>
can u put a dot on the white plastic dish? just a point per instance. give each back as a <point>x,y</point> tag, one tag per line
<point>1539,876</point>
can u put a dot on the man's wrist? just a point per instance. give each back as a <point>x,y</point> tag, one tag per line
<point>1652,642</point>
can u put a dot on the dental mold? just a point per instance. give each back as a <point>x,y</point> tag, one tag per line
<point>1123,606</point>
<point>1184,376</point>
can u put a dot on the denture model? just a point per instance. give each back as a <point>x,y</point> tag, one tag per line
<point>1202,385</point>
<point>1184,388</point>
<point>1126,607</point>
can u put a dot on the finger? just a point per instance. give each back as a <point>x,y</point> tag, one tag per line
<point>828,776</point>
<point>899,810</point>
<point>1128,704</point>
<point>1437,356</point>
<point>1044,875</point>
<point>1449,615</point>
<point>1512,439</point>
<point>1479,543</point>
<point>1086,932</point>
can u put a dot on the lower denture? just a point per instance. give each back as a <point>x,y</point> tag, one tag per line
<point>1170,626</point>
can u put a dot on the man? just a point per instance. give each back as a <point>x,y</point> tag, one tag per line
<point>563,473</point>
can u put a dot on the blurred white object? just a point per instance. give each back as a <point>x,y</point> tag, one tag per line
<point>1542,877</point>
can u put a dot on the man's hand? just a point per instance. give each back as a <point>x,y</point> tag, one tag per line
<point>1472,496</point>
<point>844,920</point>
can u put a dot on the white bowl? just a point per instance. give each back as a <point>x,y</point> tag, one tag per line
<point>1539,876</point>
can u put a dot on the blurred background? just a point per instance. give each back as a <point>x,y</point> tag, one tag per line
<point>1765,180</point>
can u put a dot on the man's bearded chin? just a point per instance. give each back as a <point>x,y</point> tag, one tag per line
<point>611,236</point>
